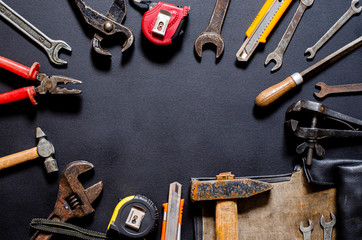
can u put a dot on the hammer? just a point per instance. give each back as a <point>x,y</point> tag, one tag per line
<point>44,149</point>
<point>226,189</point>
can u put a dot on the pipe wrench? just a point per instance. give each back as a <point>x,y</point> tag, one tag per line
<point>261,27</point>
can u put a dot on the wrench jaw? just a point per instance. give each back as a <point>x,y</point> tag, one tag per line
<point>322,93</point>
<point>73,200</point>
<point>53,52</point>
<point>278,59</point>
<point>354,7</point>
<point>311,53</point>
<point>325,224</point>
<point>210,37</point>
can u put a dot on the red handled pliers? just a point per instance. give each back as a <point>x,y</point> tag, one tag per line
<point>47,84</point>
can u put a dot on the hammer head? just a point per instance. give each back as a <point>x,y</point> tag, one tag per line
<point>46,150</point>
<point>226,187</point>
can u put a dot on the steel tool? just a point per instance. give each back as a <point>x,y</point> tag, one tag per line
<point>278,53</point>
<point>226,189</point>
<point>261,27</point>
<point>353,10</point>
<point>162,22</point>
<point>307,231</point>
<point>328,227</point>
<point>171,226</point>
<point>212,33</point>
<point>44,149</point>
<point>326,90</point>
<point>303,111</point>
<point>47,84</point>
<point>73,200</point>
<point>109,24</point>
<point>50,46</point>
<point>271,94</point>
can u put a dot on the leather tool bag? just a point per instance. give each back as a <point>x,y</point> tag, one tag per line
<point>346,176</point>
<point>327,186</point>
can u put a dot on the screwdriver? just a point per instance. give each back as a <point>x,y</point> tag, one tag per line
<point>271,94</point>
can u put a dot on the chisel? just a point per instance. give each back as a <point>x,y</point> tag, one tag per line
<point>271,94</point>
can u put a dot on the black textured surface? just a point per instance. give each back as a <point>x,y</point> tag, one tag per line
<point>155,115</point>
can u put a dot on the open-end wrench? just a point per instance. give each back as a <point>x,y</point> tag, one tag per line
<point>73,200</point>
<point>328,227</point>
<point>50,46</point>
<point>307,231</point>
<point>212,33</point>
<point>350,12</point>
<point>337,89</point>
<point>278,53</point>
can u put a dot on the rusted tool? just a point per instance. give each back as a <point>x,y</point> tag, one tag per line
<point>226,189</point>
<point>73,201</point>
<point>273,93</point>
<point>212,33</point>
<point>353,10</point>
<point>278,53</point>
<point>328,227</point>
<point>338,89</point>
<point>109,24</point>
<point>299,113</point>
<point>44,149</point>
<point>50,46</point>
<point>307,231</point>
<point>47,84</point>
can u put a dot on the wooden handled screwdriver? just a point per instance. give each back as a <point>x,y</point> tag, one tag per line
<point>271,94</point>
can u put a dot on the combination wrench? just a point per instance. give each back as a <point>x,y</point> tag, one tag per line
<point>278,53</point>
<point>50,46</point>
<point>353,10</point>
<point>337,89</point>
<point>212,33</point>
<point>307,231</point>
<point>328,227</point>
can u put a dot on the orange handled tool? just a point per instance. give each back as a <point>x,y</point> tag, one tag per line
<point>261,27</point>
<point>164,221</point>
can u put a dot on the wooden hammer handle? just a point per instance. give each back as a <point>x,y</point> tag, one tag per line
<point>226,220</point>
<point>19,157</point>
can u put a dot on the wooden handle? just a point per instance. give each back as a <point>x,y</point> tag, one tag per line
<point>226,220</point>
<point>271,94</point>
<point>19,157</point>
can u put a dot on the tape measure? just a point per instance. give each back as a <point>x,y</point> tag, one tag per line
<point>135,217</point>
<point>162,22</point>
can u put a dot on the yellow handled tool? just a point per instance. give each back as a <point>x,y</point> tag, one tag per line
<point>261,27</point>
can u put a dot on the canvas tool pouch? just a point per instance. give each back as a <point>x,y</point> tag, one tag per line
<point>277,214</point>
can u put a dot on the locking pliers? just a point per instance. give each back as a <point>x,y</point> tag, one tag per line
<point>336,125</point>
<point>47,84</point>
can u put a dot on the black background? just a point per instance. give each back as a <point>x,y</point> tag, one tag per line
<point>154,115</point>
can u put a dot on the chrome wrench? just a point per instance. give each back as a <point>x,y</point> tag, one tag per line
<point>353,10</point>
<point>307,231</point>
<point>328,227</point>
<point>278,53</point>
<point>50,46</point>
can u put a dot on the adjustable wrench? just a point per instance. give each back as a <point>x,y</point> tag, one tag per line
<point>328,227</point>
<point>326,90</point>
<point>73,200</point>
<point>277,54</point>
<point>307,231</point>
<point>212,33</point>
<point>50,46</point>
<point>350,12</point>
